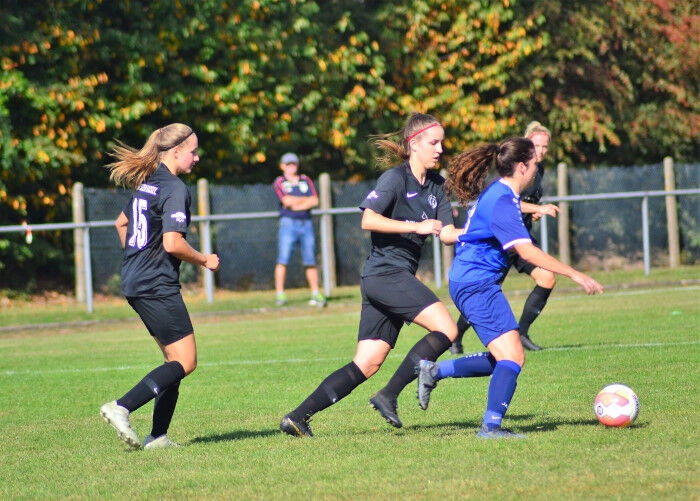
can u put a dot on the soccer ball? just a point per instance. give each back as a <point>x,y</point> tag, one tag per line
<point>616,405</point>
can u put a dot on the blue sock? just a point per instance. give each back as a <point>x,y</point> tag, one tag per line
<point>501,390</point>
<point>474,365</point>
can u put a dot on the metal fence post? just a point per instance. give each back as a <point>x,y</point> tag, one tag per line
<point>645,234</point>
<point>437,261</point>
<point>88,268</point>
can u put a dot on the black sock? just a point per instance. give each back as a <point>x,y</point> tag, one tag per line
<point>164,408</point>
<point>430,348</point>
<point>534,305</point>
<point>335,387</point>
<point>150,386</point>
<point>462,326</point>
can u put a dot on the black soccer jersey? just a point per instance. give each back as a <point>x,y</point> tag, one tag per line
<point>532,194</point>
<point>398,195</point>
<point>160,205</point>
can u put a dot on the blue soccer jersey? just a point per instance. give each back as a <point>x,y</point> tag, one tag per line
<point>494,226</point>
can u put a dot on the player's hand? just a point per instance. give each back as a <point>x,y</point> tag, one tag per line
<point>548,210</point>
<point>429,227</point>
<point>212,262</point>
<point>590,285</point>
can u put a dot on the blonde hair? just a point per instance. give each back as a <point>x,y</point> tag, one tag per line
<point>390,149</point>
<point>535,127</point>
<point>133,166</point>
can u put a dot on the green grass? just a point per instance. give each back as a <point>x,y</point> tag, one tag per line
<point>256,363</point>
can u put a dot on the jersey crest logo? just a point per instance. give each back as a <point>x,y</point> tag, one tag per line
<point>179,217</point>
<point>432,201</point>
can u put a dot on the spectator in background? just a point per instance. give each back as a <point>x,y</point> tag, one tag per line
<point>298,196</point>
<point>531,211</point>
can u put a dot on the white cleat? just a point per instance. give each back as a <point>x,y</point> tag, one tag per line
<point>118,417</point>
<point>162,442</point>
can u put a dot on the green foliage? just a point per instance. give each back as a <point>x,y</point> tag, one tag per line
<point>615,81</point>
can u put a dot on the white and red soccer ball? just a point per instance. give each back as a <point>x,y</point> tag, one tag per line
<point>616,405</point>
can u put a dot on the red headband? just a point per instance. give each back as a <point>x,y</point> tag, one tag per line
<point>408,139</point>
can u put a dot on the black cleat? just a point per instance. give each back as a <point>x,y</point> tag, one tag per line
<point>295,428</point>
<point>528,344</point>
<point>387,408</point>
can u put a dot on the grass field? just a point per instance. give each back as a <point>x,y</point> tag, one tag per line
<point>256,363</point>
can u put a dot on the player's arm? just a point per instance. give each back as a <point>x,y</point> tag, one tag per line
<point>449,234</point>
<point>176,245</point>
<point>538,211</point>
<point>121,224</point>
<point>538,257</point>
<point>299,203</point>
<point>373,221</point>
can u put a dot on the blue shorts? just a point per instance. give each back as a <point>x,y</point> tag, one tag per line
<point>388,302</point>
<point>292,231</point>
<point>485,307</point>
<point>166,318</point>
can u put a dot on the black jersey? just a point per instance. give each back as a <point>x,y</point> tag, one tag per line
<point>532,194</point>
<point>398,195</point>
<point>160,205</point>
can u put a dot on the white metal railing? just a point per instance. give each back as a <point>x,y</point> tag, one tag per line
<point>206,240</point>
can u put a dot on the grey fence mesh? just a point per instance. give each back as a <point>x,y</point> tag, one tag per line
<point>600,230</point>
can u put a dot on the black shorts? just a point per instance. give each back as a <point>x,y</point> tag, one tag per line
<point>524,266</point>
<point>166,318</point>
<point>389,301</point>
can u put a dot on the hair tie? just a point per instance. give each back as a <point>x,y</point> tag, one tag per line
<point>408,139</point>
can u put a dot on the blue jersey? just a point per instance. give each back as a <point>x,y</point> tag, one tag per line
<point>494,226</point>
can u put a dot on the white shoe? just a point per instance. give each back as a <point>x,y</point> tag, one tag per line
<point>162,442</point>
<point>118,417</point>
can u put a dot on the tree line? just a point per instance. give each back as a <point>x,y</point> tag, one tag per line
<point>615,81</point>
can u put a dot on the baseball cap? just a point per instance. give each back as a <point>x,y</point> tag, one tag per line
<point>289,158</point>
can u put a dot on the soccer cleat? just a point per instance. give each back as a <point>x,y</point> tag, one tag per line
<point>281,299</point>
<point>162,442</point>
<point>456,348</point>
<point>295,428</point>
<point>118,417</point>
<point>387,407</point>
<point>497,432</point>
<point>318,299</point>
<point>427,374</point>
<point>528,344</point>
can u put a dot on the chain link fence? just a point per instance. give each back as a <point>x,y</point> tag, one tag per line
<point>603,233</point>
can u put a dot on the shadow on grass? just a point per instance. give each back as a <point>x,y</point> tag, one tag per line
<point>540,425</point>
<point>234,435</point>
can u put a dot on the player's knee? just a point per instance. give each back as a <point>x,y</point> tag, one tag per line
<point>189,366</point>
<point>546,280</point>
